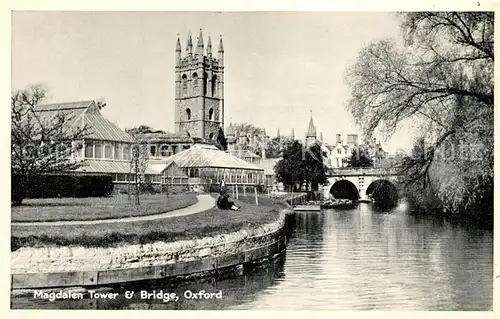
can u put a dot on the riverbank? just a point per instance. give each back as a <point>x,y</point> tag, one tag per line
<point>217,239</point>
<point>210,222</point>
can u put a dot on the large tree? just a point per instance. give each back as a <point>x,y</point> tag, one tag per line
<point>290,170</point>
<point>441,80</point>
<point>39,145</point>
<point>301,165</point>
<point>248,128</point>
<point>314,160</point>
<point>274,148</point>
<point>360,157</point>
<point>221,140</point>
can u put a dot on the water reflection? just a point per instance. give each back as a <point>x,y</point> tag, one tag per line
<point>352,259</point>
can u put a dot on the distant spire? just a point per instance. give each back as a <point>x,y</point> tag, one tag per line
<point>278,133</point>
<point>178,45</point>
<point>293,134</point>
<point>311,131</point>
<point>221,46</point>
<point>321,136</point>
<point>230,130</point>
<point>189,46</point>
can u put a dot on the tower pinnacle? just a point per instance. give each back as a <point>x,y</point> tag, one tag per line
<point>209,46</point>
<point>178,45</point>
<point>189,47</point>
<point>221,46</point>
<point>199,45</point>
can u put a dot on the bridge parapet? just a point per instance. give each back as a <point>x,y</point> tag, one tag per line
<point>359,171</point>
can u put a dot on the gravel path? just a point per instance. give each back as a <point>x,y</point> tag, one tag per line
<point>204,202</point>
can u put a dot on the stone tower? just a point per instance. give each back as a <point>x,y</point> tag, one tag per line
<point>199,89</point>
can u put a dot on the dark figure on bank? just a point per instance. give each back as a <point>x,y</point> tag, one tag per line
<point>223,202</point>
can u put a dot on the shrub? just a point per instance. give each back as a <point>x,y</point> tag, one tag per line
<point>50,186</point>
<point>148,188</point>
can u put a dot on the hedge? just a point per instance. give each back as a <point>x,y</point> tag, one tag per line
<point>59,185</point>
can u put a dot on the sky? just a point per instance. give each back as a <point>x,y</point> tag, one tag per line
<point>279,66</point>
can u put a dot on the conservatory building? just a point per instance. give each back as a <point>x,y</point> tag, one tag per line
<point>202,167</point>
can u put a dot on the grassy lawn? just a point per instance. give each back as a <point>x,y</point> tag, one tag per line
<point>209,223</point>
<point>55,209</point>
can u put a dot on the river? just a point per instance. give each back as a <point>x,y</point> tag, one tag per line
<point>356,259</point>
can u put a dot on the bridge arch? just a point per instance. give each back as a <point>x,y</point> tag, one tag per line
<point>344,189</point>
<point>382,190</point>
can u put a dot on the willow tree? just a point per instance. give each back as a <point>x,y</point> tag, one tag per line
<point>439,78</point>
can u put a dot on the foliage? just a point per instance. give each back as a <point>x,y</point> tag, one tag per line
<point>63,185</point>
<point>360,157</point>
<point>315,167</point>
<point>276,145</point>
<point>142,129</point>
<point>138,166</point>
<point>441,80</point>
<point>40,145</point>
<point>301,165</point>
<point>221,139</point>
<point>247,128</point>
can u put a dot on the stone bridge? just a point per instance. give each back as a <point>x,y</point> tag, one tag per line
<point>357,182</point>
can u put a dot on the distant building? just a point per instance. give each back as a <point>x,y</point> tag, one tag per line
<point>341,151</point>
<point>254,142</point>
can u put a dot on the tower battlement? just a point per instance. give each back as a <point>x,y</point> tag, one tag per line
<point>199,89</point>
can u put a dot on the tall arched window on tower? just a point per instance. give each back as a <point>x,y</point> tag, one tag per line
<point>188,113</point>
<point>205,83</point>
<point>214,85</point>
<point>184,84</point>
<point>211,114</point>
<point>195,82</point>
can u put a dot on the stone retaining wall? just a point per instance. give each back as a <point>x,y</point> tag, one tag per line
<point>210,252</point>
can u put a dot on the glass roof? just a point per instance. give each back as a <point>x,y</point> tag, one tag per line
<point>200,155</point>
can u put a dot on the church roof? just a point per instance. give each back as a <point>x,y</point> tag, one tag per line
<point>200,155</point>
<point>84,113</point>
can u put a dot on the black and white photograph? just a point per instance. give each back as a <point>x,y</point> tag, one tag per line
<point>252,160</point>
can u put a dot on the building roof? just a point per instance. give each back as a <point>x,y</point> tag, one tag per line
<point>103,129</point>
<point>200,155</point>
<point>268,165</point>
<point>109,166</point>
<point>84,113</point>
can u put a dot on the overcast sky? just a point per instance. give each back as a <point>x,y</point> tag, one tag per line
<point>278,66</point>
